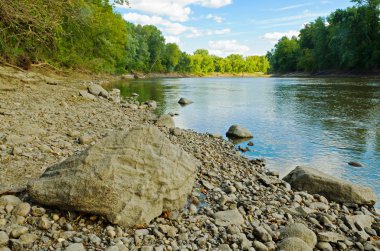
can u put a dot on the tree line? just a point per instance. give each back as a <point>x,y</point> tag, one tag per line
<point>347,40</point>
<point>90,35</point>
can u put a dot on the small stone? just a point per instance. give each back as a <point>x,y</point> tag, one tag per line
<point>226,218</point>
<point>18,231</point>
<point>330,237</point>
<point>44,223</point>
<point>193,209</point>
<point>300,231</point>
<point>293,244</point>
<point>38,211</point>
<point>262,234</point>
<point>324,246</point>
<point>141,232</point>
<point>146,248</point>
<point>75,247</point>
<point>362,236</point>
<point>184,101</point>
<point>22,209</point>
<point>16,151</point>
<point>224,247</point>
<point>27,239</point>
<point>9,200</point>
<point>55,217</point>
<point>85,139</point>
<point>111,232</point>
<point>9,208</point>
<point>259,246</point>
<point>4,238</point>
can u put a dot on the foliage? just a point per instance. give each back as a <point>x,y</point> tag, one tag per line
<point>90,35</point>
<point>346,40</point>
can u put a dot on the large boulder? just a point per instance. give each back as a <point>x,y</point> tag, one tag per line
<point>236,131</point>
<point>316,182</point>
<point>129,177</point>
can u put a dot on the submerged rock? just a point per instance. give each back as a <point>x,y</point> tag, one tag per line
<point>129,177</point>
<point>316,182</point>
<point>236,131</point>
<point>184,101</point>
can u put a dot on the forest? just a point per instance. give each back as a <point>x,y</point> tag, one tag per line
<point>347,40</point>
<point>89,35</point>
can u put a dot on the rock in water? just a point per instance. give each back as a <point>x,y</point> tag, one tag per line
<point>129,177</point>
<point>236,131</point>
<point>184,101</point>
<point>316,182</point>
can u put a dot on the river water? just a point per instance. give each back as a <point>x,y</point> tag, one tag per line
<point>322,123</point>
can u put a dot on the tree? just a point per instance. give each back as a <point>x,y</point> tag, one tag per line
<point>172,56</point>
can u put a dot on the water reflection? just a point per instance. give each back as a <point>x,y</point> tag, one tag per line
<point>324,123</point>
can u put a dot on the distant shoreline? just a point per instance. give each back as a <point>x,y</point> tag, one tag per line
<point>327,74</point>
<point>255,75</point>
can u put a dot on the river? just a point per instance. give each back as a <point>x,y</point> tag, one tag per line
<point>322,123</point>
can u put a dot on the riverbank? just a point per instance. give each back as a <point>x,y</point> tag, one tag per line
<point>44,120</point>
<point>328,74</point>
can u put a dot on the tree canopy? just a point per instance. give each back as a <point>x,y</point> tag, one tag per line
<point>90,35</point>
<point>346,40</point>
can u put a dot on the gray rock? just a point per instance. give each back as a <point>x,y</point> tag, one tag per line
<point>4,238</point>
<point>330,237</point>
<point>9,200</point>
<point>24,242</point>
<point>224,247</point>
<point>236,131</point>
<point>316,182</point>
<point>86,139</point>
<point>75,247</point>
<point>165,120</point>
<point>129,177</point>
<point>22,209</point>
<point>259,246</point>
<point>97,90</point>
<point>44,223</point>
<point>261,233</point>
<point>361,236</point>
<point>358,222</point>
<point>151,104</point>
<point>324,246</point>
<point>17,231</point>
<point>226,218</point>
<point>299,230</point>
<point>184,101</point>
<point>4,249</point>
<point>87,95</point>
<point>293,244</point>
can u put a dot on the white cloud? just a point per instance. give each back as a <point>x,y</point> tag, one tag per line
<point>167,26</point>
<point>274,22</point>
<point>172,28</point>
<point>226,47</point>
<point>198,33</point>
<point>217,19</point>
<point>295,6</point>
<point>175,10</point>
<point>173,39</point>
<point>275,36</point>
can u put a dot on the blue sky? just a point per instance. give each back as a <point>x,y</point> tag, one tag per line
<point>247,27</point>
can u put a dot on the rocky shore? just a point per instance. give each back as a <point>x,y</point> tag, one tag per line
<point>234,204</point>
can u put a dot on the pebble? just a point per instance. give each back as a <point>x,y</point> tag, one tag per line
<point>22,209</point>
<point>18,231</point>
<point>4,238</point>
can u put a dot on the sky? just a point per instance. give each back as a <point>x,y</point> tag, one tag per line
<point>224,27</point>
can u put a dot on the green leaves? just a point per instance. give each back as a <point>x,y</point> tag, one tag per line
<point>347,40</point>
